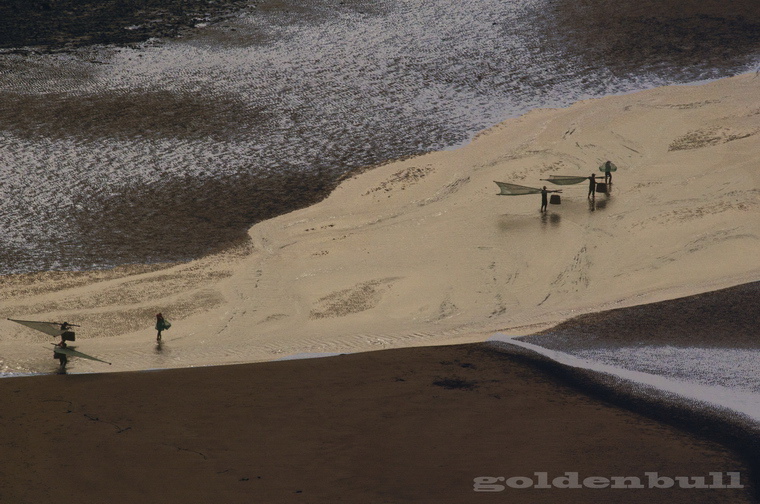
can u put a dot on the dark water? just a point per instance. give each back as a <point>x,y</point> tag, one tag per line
<point>201,118</point>
<point>59,24</point>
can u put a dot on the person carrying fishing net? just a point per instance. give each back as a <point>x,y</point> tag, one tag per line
<point>66,335</point>
<point>161,325</point>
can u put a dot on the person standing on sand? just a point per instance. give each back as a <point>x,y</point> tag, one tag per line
<point>65,334</point>
<point>544,199</point>
<point>592,187</point>
<point>161,325</point>
<point>62,358</point>
<point>608,172</point>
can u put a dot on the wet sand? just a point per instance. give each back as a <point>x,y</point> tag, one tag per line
<point>408,425</point>
<point>725,318</point>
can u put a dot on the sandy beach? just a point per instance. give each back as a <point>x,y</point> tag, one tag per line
<point>405,258</point>
<point>423,251</point>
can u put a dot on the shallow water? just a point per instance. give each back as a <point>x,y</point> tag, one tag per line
<point>167,149</point>
<point>715,386</point>
<point>734,368</point>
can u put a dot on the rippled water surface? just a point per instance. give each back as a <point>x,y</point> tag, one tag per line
<point>163,148</point>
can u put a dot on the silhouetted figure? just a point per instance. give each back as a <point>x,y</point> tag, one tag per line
<point>592,186</point>
<point>66,335</point>
<point>161,325</point>
<point>608,172</point>
<point>545,198</point>
<point>62,357</point>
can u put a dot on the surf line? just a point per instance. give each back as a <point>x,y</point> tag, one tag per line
<point>744,403</point>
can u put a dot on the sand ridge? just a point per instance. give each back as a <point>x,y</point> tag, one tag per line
<point>423,251</point>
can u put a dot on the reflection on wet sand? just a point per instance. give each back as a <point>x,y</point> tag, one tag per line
<point>552,218</point>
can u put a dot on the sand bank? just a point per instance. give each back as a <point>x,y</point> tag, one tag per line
<point>422,251</point>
